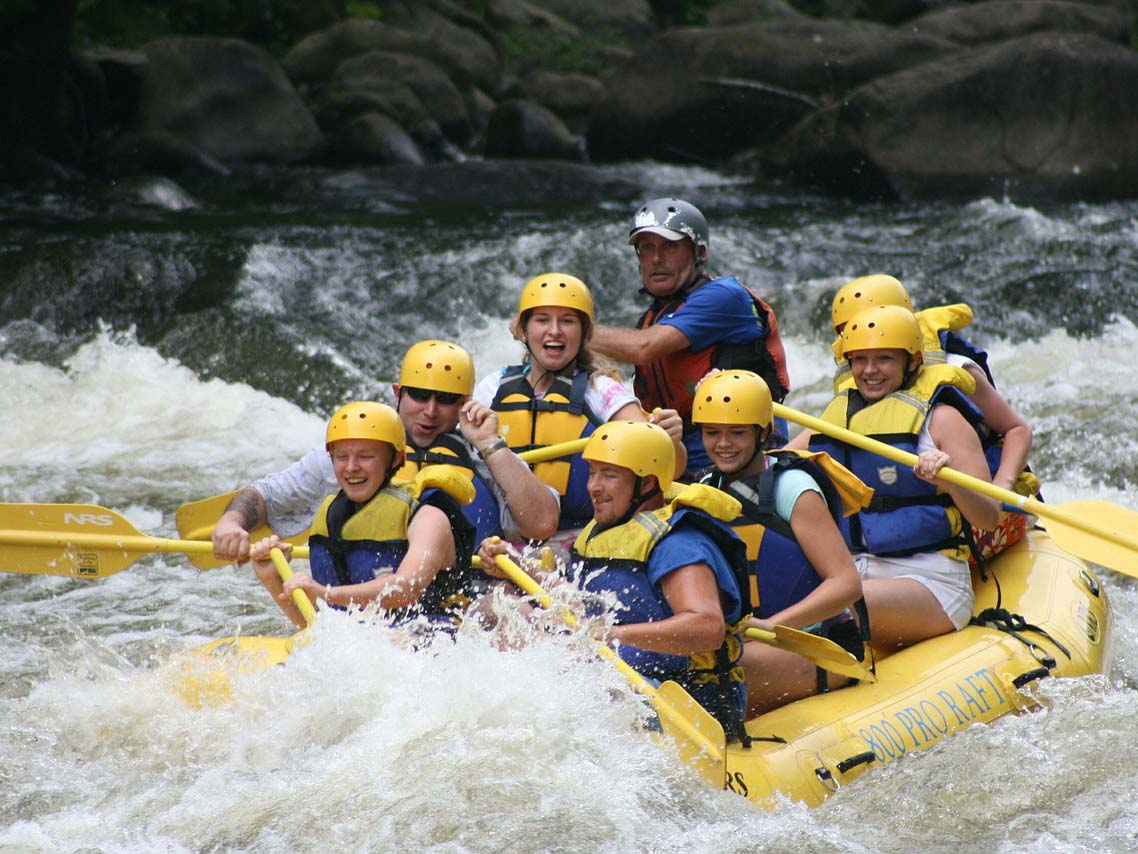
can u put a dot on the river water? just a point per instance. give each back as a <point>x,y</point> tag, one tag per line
<point>163,343</point>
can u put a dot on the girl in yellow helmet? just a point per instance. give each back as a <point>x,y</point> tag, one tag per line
<point>910,544</point>
<point>1007,435</point>
<point>557,393</point>
<point>800,572</point>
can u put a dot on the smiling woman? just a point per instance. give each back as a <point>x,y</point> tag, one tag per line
<point>911,544</point>
<point>557,394</point>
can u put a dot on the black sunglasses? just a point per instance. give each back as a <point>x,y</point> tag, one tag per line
<point>422,395</point>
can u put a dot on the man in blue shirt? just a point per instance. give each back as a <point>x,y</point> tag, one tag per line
<point>695,323</point>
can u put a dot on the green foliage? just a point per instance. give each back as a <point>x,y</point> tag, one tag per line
<point>362,9</point>
<point>273,24</point>
<point>556,51</point>
<point>681,13</point>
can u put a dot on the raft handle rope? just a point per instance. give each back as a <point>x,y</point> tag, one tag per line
<point>826,776</point>
<point>1030,676</point>
<point>855,760</point>
<point>1013,624</point>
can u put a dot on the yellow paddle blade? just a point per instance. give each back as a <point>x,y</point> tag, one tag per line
<point>698,736</point>
<point>1114,541</point>
<point>81,540</point>
<point>822,651</point>
<point>206,679</point>
<point>196,519</point>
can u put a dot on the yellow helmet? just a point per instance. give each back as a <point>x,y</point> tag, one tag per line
<point>636,445</point>
<point>857,295</point>
<point>884,327</point>
<point>366,419</point>
<point>438,366</point>
<point>556,289</point>
<point>733,397</point>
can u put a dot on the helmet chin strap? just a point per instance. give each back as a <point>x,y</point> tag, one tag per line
<point>760,438</point>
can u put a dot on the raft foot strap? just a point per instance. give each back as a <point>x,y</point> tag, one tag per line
<point>1014,624</point>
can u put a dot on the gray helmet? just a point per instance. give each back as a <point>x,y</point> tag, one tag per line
<point>673,219</point>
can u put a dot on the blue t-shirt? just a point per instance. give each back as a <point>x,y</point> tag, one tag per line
<point>685,545</point>
<point>721,310</point>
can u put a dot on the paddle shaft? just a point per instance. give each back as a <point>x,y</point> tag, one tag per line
<point>299,597</point>
<point>116,542</point>
<point>1023,502</point>
<point>519,577</point>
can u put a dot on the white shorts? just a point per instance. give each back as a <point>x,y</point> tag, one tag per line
<point>950,581</point>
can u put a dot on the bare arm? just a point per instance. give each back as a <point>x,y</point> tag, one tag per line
<point>638,346</point>
<point>696,624</point>
<point>824,547</point>
<point>960,449</point>
<point>430,548</point>
<point>533,506</point>
<point>245,513</point>
<point>1001,417</point>
<point>800,442</point>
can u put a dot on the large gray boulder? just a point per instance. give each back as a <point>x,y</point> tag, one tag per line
<point>463,54</point>
<point>520,128</point>
<point>571,96</point>
<point>407,89</point>
<point>1046,116</point>
<point>633,19</point>
<point>225,97</point>
<point>374,138</point>
<point>1000,20</point>
<point>708,93</point>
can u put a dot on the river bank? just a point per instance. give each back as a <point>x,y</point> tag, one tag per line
<point>1025,99</point>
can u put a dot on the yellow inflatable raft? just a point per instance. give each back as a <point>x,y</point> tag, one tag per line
<point>809,749</point>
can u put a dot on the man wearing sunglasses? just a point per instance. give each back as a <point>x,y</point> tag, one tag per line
<point>443,426</point>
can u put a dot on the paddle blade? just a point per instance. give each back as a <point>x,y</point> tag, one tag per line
<point>1114,541</point>
<point>196,519</point>
<point>207,678</point>
<point>55,539</point>
<point>822,651</point>
<point>699,737</point>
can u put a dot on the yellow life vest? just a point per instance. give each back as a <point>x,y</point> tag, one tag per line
<point>906,514</point>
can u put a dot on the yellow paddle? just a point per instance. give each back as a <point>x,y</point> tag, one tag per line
<point>195,520</point>
<point>699,737</point>
<point>1097,531</point>
<point>81,540</point>
<point>822,651</point>
<point>270,650</point>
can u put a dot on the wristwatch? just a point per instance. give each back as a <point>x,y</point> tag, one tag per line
<point>493,447</point>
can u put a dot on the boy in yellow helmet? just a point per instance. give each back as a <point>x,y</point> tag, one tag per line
<point>404,545</point>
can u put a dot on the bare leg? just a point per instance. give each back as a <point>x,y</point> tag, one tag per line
<point>903,611</point>
<point>776,677</point>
